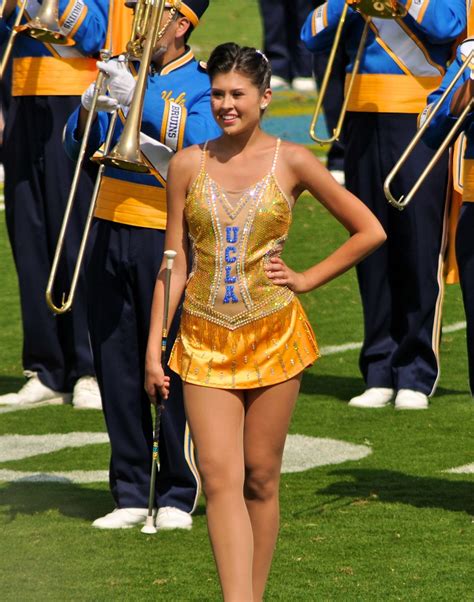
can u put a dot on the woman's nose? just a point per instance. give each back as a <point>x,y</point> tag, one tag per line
<point>227,102</point>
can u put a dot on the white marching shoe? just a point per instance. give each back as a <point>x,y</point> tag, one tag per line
<point>407,399</point>
<point>173,518</point>
<point>304,84</point>
<point>121,518</point>
<point>34,392</point>
<point>279,83</point>
<point>86,394</point>
<point>375,397</point>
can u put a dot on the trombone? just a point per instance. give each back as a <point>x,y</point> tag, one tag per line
<point>44,28</point>
<point>384,9</point>
<point>403,201</point>
<point>142,41</point>
<point>66,301</point>
<point>126,153</point>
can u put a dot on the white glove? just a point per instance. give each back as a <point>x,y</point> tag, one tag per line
<point>104,103</point>
<point>120,82</point>
<point>466,48</point>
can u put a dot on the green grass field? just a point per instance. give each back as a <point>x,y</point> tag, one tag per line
<point>391,526</point>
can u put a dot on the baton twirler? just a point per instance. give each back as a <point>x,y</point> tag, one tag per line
<point>149,526</point>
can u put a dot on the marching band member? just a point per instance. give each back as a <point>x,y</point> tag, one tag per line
<point>47,82</point>
<point>455,103</point>
<point>125,259</point>
<point>400,284</point>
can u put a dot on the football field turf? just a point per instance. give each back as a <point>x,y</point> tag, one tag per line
<point>369,509</point>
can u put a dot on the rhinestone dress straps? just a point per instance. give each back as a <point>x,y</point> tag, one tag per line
<point>237,326</point>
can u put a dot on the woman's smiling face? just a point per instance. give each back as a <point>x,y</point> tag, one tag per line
<point>236,102</point>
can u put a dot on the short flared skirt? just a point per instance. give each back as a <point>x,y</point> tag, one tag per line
<point>264,352</point>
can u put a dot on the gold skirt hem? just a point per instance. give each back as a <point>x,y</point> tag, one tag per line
<point>264,352</point>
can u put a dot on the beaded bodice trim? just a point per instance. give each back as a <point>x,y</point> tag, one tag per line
<point>232,239</point>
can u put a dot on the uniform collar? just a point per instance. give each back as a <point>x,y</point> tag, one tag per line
<point>182,60</point>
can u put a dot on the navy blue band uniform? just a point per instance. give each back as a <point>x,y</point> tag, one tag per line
<point>442,122</point>
<point>401,283</point>
<point>46,83</point>
<point>125,260</point>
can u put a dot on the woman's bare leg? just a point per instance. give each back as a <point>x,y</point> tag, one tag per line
<point>268,415</point>
<point>216,420</point>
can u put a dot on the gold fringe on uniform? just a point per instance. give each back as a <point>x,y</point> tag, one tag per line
<point>264,352</point>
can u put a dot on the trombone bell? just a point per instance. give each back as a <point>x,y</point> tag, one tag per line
<point>383,9</point>
<point>124,156</point>
<point>45,26</point>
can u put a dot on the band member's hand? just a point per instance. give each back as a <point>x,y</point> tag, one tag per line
<point>157,384</point>
<point>104,103</point>
<point>279,273</point>
<point>120,82</point>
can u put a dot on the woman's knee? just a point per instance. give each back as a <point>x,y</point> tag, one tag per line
<point>219,477</point>
<point>261,483</point>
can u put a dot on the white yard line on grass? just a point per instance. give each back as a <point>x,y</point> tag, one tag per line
<point>301,453</point>
<point>332,349</point>
<point>466,469</point>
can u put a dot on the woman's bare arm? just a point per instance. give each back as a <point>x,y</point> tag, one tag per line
<point>179,177</point>
<point>366,234</point>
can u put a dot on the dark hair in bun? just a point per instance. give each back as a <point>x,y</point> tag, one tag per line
<point>248,61</point>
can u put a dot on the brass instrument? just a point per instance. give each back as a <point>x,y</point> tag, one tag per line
<point>66,301</point>
<point>144,36</point>
<point>385,9</point>
<point>11,39</point>
<point>44,28</point>
<point>403,201</point>
<point>126,154</point>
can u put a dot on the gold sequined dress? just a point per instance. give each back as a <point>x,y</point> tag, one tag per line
<point>239,330</point>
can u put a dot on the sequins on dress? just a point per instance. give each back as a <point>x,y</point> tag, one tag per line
<point>238,329</point>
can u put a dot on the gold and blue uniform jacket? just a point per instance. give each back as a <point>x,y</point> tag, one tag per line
<point>55,70</point>
<point>404,59</point>
<point>177,112</point>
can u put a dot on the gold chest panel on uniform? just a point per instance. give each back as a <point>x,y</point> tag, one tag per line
<point>232,239</point>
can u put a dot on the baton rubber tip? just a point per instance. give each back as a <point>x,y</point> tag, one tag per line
<point>149,528</point>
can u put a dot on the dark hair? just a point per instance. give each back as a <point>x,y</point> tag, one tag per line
<point>248,61</point>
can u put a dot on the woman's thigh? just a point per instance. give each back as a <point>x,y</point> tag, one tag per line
<point>267,419</point>
<point>216,420</point>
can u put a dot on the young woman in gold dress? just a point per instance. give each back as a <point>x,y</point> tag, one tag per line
<point>244,339</point>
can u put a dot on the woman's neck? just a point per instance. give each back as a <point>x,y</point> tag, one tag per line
<point>238,143</point>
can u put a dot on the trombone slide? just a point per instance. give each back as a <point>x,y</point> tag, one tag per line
<point>403,201</point>
<point>67,300</point>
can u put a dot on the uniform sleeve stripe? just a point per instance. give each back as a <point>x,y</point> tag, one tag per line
<point>417,9</point>
<point>320,19</point>
<point>182,125</point>
<point>165,121</point>
<point>78,23</point>
<point>73,16</point>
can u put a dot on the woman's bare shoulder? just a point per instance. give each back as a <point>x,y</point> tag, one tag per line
<point>187,157</point>
<point>296,155</point>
